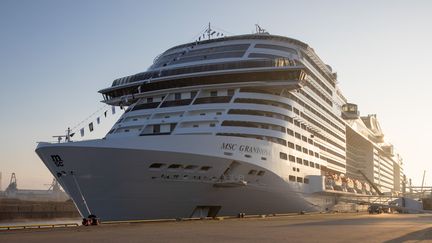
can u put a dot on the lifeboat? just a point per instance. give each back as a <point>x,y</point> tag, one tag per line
<point>358,186</point>
<point>349,184</point>
<point>329,182</point>
<point>367,188</point>
<point>338,184</point>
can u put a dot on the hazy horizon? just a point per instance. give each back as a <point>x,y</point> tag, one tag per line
<point>56,55</point>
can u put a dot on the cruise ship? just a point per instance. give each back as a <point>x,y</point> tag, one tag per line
<point>252,124</point>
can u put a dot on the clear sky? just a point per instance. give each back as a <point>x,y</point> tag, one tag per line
<point>55,56</point>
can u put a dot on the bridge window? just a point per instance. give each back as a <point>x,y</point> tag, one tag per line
<point>177,96</point>
<point>230,92</point>
<point>276,47</point>
<point>156,128</point>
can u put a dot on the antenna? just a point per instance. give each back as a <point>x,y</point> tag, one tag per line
<point>260,30</point>
<point>67,137</point>
<point>209,31</point>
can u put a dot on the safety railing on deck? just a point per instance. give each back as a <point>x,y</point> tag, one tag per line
<point>37,226</point>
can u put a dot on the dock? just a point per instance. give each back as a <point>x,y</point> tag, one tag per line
<point>335,227</point>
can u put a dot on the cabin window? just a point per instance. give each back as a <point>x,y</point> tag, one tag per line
<point>290,132</point>
<point>174,166</point>
<point>283,156</point>
<point>191,167</point>
<point>292,178</point>
<point>291,158</point>
<point>156,165</point>
<point>205,168</point>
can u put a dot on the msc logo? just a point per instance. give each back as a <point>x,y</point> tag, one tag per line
<point>57,160</point>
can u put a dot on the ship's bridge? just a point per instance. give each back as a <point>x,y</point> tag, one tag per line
<point>238,59</point>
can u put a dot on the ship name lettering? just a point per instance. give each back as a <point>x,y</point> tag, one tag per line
<point>252,149</point>
<point>57,160</point>
<point>229,146</point>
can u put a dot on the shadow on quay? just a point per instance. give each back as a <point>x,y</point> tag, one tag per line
<point>359,221</point>
<point>354,221</point>
<point>424,234</point>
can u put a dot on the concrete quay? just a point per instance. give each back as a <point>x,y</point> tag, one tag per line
<point>343,227</point>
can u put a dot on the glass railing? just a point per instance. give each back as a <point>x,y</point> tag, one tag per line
<point>279,62</point>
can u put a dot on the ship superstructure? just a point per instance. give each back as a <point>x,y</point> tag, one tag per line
<point>241,124</point>
<point>369,155</point>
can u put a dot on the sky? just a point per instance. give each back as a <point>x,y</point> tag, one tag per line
<point>55,56</point>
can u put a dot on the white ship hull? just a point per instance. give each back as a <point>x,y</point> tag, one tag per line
<point>251,124</point>
<point>112,178</point>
